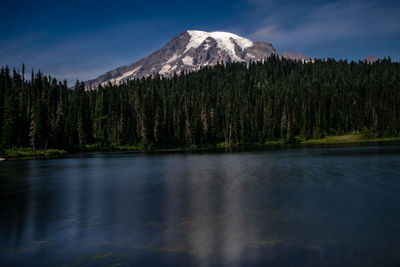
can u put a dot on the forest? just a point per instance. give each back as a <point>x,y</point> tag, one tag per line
<point>234,103</point>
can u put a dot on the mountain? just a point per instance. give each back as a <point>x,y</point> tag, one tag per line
<point>371,59</point>
<point>295,56</point>
<point>190,51</point>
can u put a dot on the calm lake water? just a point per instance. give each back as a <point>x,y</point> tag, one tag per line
<point>293,207</point>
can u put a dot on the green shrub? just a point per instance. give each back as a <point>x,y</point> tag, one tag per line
<point>366,133</point>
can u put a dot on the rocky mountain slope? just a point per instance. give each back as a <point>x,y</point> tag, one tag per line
<point>191,50</point>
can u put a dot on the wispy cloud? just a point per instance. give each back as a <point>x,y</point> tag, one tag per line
<point>292,26</point>
<point>271,32</point>
<point>81,56</point>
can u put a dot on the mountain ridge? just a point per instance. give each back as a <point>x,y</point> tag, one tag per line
<point>191,50</point>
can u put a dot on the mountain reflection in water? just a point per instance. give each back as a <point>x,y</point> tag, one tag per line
<point>298,207</point>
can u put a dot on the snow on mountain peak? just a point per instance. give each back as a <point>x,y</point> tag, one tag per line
<point>177,56</point>
<point>224,41</point>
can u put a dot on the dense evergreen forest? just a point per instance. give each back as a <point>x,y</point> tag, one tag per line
<point>233,103</point>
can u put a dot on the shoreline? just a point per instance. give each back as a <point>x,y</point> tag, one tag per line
<point>341,140</point>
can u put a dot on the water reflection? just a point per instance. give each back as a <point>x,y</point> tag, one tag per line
<point>279,208</point>
<point>204,213</point>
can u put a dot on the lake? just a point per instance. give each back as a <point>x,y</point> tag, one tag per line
<point>337,206</point>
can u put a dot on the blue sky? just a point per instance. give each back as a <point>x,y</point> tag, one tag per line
<point>83,39</point>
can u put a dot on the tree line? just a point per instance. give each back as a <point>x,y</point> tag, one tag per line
<point>233,103</point>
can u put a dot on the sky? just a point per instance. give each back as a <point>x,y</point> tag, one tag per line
<point>83,39</point>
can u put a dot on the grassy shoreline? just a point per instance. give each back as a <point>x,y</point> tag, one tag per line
<point>24,152</point>
<point>349,139</point>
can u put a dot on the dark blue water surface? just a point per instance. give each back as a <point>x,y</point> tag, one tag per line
<point>294,207</point>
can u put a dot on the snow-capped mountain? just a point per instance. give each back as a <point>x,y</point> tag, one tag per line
<point>371,59</point>
<point>192,50</point>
